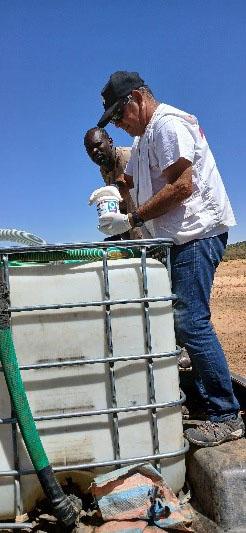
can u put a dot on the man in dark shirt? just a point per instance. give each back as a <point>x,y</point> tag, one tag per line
<point>112,161</point>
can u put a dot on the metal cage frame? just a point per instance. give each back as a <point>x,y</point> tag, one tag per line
<point>158,248</point>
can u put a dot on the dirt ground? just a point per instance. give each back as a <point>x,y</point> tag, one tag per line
<point>229,312</point>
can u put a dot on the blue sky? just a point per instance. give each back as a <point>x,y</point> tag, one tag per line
<point>55,57</point>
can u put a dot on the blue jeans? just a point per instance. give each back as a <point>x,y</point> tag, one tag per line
<point>193,266</point>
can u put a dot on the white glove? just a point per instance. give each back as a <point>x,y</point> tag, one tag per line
<point>114,223</point>
<point>109,190</point>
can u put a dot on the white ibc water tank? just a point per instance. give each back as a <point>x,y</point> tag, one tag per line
<point>58,335</point>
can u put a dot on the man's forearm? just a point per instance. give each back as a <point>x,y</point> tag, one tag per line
<point>167,198</point>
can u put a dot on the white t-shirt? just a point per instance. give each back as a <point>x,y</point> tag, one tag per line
<point>172,134</point>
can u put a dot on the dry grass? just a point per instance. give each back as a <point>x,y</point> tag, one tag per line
<point>229,312</point>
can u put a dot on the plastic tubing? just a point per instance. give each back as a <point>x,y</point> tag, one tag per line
<point>18,235</point>
<point>85,255</point>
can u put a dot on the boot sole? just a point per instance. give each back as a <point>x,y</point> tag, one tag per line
<point>229,438</point>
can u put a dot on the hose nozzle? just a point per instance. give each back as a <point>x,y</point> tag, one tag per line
<point>65,508</point>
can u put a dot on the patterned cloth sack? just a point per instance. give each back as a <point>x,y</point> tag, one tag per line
<point>139,492</point>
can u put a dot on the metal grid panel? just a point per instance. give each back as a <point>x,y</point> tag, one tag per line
<point>161,247</point>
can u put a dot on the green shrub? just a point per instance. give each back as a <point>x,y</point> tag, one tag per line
<point>235,251</point>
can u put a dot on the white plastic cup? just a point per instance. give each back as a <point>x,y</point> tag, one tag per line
<point>107,205</point>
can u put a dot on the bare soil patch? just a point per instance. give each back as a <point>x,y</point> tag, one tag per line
<point>228,305</point>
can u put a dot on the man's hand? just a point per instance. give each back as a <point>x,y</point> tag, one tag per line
<point>114,223</point>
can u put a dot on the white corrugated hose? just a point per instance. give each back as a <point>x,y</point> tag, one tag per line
<point>20,236</point>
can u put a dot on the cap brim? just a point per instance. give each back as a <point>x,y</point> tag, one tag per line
<point>105,118</point>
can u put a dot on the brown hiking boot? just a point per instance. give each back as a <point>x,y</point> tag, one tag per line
<point>215,433</point>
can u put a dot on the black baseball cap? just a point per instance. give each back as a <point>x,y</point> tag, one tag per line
<point>120,85</point>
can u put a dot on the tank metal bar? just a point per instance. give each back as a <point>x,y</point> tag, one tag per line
<point>118,462</point>
<point>74,362</point>
<point>17,490</point>
<point>112,410</point>
<point>89,245</point>
<point>14,525</point>
<point>149,362</point>
<point>113,399</point>
<point>92,304</point>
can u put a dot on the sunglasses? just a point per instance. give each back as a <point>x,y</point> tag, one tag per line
<point>119,112</point>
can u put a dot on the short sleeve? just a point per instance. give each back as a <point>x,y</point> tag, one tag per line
<point>129,167</point>
<point>122,158</point>
<point>173,140</point>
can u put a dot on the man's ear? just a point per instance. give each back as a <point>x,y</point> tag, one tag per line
<point>138,96</point>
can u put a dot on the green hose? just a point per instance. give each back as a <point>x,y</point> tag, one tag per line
<point>86,255</point>
<point>20,402</point>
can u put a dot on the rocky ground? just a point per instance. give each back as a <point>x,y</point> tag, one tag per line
<point>229,312</point>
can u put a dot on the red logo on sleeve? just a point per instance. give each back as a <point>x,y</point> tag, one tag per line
<point>201,132</point>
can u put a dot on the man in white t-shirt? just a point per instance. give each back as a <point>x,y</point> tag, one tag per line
<point>179,194</point>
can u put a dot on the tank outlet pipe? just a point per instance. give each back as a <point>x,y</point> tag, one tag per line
<point>65,508</point>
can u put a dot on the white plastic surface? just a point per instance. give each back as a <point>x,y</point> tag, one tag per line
<point>48,336</point>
